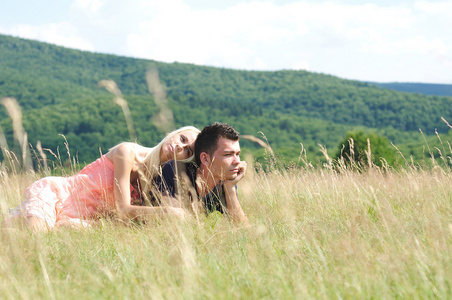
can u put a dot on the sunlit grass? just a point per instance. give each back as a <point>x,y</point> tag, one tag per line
<point>315,233</point>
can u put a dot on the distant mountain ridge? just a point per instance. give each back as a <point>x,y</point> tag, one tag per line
<point>420,88</point>
<point>58,92</point>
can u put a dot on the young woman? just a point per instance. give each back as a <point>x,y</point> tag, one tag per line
<point>111,184</point>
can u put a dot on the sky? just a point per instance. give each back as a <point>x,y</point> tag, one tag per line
<point>366,40</point>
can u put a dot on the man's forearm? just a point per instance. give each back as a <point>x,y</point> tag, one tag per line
<point>233,206</point>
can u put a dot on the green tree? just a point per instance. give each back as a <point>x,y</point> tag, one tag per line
<point>355,148</point>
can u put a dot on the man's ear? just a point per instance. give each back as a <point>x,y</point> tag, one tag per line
<point>205,159</point>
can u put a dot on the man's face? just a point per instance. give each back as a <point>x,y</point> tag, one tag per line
<point>224,163</point>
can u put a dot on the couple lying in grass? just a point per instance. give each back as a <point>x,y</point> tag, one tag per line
<point>187,171</point>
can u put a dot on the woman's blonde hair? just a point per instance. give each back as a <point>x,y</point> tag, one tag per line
<point>152,161</point>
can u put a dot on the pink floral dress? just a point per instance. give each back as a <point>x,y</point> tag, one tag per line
<point>79,198</point>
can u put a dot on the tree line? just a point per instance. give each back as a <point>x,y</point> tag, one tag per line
<point>57,90</point>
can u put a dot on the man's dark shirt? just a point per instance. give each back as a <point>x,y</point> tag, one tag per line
<point>214,201</point>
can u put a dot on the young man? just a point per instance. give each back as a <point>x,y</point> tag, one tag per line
<point>214,180</point>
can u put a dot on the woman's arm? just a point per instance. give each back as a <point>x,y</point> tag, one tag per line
<point>123,159</point>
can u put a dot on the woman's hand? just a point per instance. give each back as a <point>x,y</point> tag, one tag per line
<point>177,212</point>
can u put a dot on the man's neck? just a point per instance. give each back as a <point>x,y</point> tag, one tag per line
<point>205,182</point>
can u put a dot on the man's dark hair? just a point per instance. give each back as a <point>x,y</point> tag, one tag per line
<point>207,140</point>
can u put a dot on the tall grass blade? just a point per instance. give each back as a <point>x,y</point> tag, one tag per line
<point>164,119</point>
<point>119,100</point>
<point>15,113</point>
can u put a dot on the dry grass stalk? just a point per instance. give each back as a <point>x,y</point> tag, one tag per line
<point>329,160</point>
<point>447,123</point>
<point>112,87</point>
<point>3,142</point>
<point>303,159</point>
<point>400,153</point>
<point>368,153</point>
<point>259,141</point>
<point>43,156</point>
<point>4,147</point>
<point>352,148</point>
<point>12,163</point>
<point>432,156</point>
<point>26,155</point>
<point>164,119</point>
<point>15,112</point>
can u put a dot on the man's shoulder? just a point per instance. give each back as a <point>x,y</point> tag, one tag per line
<point>215,200</point>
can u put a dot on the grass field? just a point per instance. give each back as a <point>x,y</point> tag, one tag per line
<point>314,233</point>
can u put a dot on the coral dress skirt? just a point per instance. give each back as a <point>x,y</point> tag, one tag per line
<point>78,198</point>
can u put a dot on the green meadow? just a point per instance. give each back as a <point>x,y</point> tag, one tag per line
<point>315,233</point>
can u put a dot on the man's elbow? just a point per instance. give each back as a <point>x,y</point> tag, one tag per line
<point>239,218</point>
<point>124,211</point>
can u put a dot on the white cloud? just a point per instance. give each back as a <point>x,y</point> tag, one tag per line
<point>301,65</point>
<point>233,37</point>
<point>436,8</point>
<point>240,35</point>
<point>416,44</point>
<point>367,41</point>
<point>91,6</point>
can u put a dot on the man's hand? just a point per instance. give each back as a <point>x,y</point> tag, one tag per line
<point>240,174</point>
<point>232,201</point>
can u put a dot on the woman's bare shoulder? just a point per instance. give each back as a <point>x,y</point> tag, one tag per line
<point>125,149</point>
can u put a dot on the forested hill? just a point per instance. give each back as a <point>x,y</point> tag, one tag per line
<point>58,92</point>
